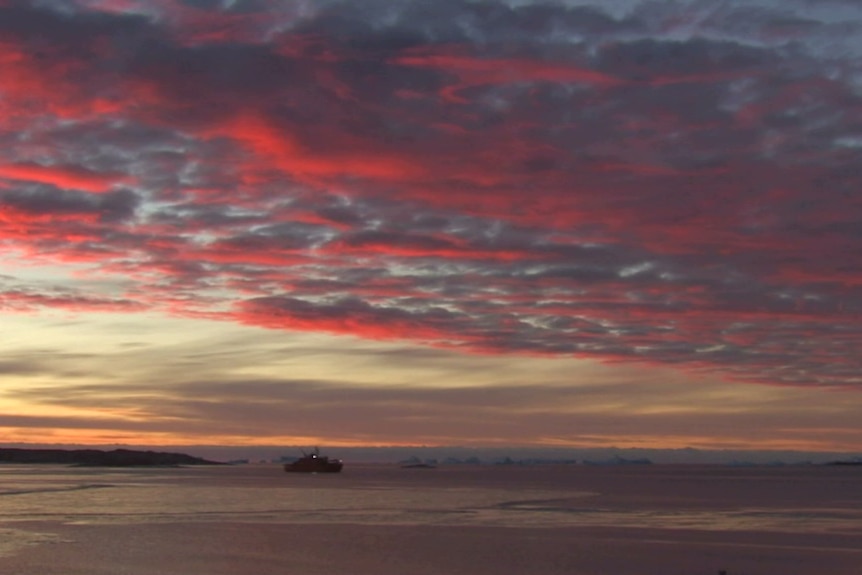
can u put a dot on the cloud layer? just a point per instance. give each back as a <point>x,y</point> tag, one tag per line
<point>171,382</point>
<point>631,181</point>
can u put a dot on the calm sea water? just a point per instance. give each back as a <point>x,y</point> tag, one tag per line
<point>660,499</point>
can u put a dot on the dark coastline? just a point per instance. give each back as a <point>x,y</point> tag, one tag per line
<point>99,458</point>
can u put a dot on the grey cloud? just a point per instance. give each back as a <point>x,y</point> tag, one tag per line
<point>272,240</point>
<point>113,206</point>
<point>37,21</point>
<point>396,240</point>
<point>248,405</point>
<point>19,367</point>
<point>347,308</point>
<point>196,216</point>
<point>648,59</point>
<point>56,362</point>
<point>340,215</point>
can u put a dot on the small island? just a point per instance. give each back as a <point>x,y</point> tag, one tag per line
<point>99,458</point>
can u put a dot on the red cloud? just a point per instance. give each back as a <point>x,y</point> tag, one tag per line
<point>44,82</point>
<point>349,317</point>
<point>286,151</point>
<point>73,177</point>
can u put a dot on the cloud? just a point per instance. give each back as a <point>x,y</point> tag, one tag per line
<point>67,300</point>
<point>68,177</point>
<point>134,376</point>
<point>629,181</point>
<point>44,204</point>
<point>541,410</point>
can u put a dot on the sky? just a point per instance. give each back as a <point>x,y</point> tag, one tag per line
<point>558,223</point>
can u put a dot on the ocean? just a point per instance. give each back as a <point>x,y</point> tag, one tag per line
<point>378,519</point>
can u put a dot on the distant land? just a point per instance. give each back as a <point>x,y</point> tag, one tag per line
<point>99,458</point>
<point>486,455</point>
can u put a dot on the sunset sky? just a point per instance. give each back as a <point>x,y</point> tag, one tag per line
<point>443,222</point>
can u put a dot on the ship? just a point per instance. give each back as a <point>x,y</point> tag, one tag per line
<point>314,462</point>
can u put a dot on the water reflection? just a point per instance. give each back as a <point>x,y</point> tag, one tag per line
<point>378,497</point>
